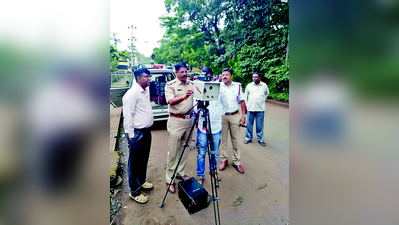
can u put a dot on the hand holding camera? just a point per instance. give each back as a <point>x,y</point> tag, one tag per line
<point>189,92</point>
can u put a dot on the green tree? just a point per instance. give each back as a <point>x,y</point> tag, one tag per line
<point>142,59</point>
<point>115,56</point>
<point>248,36</point>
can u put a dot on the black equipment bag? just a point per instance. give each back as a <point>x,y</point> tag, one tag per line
<point>193,196</point>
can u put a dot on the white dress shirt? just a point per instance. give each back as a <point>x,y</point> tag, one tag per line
<point>137,110</point>
<point>234,95</point>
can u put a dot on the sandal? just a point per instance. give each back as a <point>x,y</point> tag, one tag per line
<point>201,180</point>
<point>147,186</point>
<point>141,199</point>
<point>262,143</point>
<point>246,142</point>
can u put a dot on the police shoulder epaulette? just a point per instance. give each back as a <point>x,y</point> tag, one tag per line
<point>171,82</point>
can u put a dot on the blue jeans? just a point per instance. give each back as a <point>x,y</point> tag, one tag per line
<point>259,116</point>
<point>203,146</point>
<point>193,117</point>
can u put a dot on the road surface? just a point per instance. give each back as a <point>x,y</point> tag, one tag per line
<point>260,196</point>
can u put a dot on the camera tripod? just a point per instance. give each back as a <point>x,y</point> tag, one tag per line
<point>203,107</point>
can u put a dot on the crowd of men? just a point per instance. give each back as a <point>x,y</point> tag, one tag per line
<point>225,119</point>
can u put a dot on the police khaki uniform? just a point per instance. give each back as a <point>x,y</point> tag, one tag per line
<point>178,125</point>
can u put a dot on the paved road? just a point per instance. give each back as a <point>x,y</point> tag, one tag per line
<point>263,189</point>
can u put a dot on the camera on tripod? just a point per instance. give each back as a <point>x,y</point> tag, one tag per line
<point>205,89</point>
<point>193,196</point>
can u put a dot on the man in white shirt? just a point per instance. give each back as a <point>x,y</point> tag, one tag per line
<point>216,110</point>
<point>255,96</point>
<point>232,119</point>
<point>137,120</point>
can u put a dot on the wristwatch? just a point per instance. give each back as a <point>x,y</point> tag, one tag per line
<point>244,116</point>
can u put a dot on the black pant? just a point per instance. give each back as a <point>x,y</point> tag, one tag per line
<point>139,152</point>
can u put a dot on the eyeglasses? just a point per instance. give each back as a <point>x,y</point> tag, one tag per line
<point>149,76</point>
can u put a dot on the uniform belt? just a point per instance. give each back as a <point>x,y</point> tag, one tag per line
<point>181,116</point>
<point>142,129</point>
<point>233,113</point>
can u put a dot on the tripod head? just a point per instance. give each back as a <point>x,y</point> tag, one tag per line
<point>203,104</point>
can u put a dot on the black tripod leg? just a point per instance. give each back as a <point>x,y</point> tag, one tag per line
<point>212,164</point>
<point>181,156</point>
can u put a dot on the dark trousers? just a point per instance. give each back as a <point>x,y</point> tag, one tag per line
<point>139,152</point>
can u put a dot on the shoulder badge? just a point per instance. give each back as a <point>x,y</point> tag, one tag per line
<point>171,82</point>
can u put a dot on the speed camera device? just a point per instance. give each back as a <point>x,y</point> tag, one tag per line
<point>206,90</point>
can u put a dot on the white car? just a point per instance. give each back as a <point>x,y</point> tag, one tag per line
<point>120,83</point>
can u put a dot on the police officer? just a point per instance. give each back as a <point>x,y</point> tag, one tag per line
<point>232,119</point>
<point>178,93</point>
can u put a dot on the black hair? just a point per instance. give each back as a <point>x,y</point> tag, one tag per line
<point>207,70</point>
<point>259,74</point>
<point>140,72</point>
<point>228,70</point>
<point>193,75</point>
<point>180,65</point>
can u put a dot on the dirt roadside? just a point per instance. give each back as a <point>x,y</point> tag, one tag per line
<point>260,196</point>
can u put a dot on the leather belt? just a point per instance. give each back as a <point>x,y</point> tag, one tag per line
<point>143,129</point>
<point>181,116</point>
<point>233,113</point>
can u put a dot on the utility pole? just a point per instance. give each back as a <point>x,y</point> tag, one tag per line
<point>132,47</point>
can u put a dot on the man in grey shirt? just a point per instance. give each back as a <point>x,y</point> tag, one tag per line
<point>255,97</point>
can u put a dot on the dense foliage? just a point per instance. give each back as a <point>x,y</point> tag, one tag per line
<point>246,35</point>
<point>140,58</point>
<point>115,56</point>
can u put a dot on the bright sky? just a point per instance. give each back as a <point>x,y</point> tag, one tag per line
<point>141,14</point>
